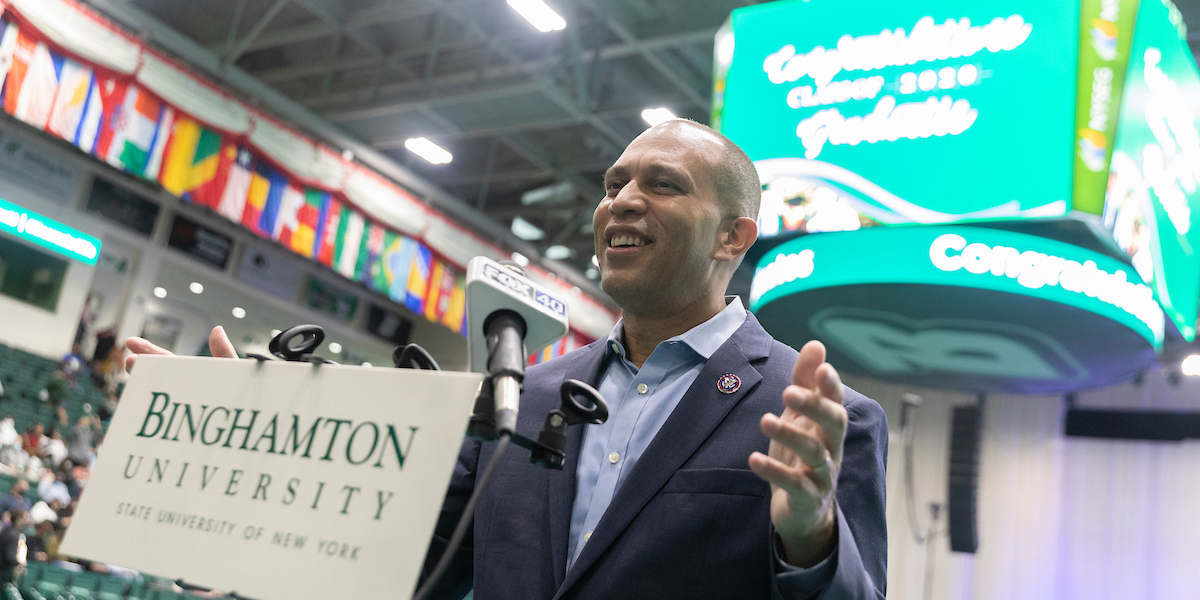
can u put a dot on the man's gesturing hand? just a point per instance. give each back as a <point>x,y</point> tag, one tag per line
<point>218,345</point>
<point>804,458</point>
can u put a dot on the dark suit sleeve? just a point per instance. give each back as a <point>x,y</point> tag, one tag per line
<point>861,571</point>
<point>457,580</point>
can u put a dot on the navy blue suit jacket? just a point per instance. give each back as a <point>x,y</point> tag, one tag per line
<point>690,521</point>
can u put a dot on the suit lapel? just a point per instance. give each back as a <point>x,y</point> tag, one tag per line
<point>700,411</point>
<point>562,483</point>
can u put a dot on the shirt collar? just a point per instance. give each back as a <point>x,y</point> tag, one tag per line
<point>703,339</point>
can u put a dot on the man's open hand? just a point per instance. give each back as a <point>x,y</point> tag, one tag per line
<point>218,345</point>
<point>804,458</point>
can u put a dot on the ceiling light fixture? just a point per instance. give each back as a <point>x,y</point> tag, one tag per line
<point>559,252</point>
<point>526,230</point>
<point>196,288</point>
<point>1191,365</point>
<point>539,14</point>
<point>335,347</point>
<point>428,150</point>
<point>655,116</point>
<point>160,292</point>
<point>239,312</point>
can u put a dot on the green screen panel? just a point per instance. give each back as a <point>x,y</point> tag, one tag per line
<point>893,112</point>
<point>48,233</point>
<point>1106,34</point>
<point>962,257</point>
<point>1152,187</point>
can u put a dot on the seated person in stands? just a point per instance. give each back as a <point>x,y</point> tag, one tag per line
<point>55,450</point>
<point>33,440</point>
<point>12,546</point>
<point>52,487</point>
<point>82,445</point>
<point>16,500</point>
<point>43,546</point>
<point>43,511</point>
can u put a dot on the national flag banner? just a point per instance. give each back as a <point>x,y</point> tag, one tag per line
<point>194,160</point>
<point>232,204</point>
<point>398,259</point>
<point>262,200</point>
<point>288,222</point>
<point>106,97</point>
<point>32,81</point>
<point>304,239</point>
<point>418,279</point>
<point>351,227</point>
<point>134,134</point>
<point>72,114</point>
<point>441,286</point>
<point>8,47</point>
<point>368,258</point>
<point>457,309</point>
<point>329,227</point>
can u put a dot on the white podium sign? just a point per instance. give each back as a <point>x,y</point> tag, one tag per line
<point>275,480</point>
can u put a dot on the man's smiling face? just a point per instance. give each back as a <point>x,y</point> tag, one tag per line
<point>656,228</point>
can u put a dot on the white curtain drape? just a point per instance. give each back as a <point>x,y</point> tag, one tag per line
<point>1063,518</point>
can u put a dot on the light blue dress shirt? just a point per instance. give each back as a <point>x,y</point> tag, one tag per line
<point>639,402</point>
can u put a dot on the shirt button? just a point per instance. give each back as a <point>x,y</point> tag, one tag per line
<point>613,457</point>
<point>643,388</point>
<point>587,536</point>
<point>615,347</point>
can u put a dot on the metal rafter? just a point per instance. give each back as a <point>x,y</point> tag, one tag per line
<point>669,69</point>
<point>240,47</point>
<point>338,103</point>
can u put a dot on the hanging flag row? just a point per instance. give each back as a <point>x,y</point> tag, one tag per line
<point>203,146</point>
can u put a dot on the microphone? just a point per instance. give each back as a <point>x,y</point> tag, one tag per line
<point>509,317</point>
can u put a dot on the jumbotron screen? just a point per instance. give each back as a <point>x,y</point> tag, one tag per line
<point>989,112</point>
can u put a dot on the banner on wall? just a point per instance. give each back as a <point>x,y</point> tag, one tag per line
<point>265,477</point>
<point>147,115</point>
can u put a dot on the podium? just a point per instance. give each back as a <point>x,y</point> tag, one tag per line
<point>275,479</point>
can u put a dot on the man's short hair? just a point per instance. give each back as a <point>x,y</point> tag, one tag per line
<point>738,187</point>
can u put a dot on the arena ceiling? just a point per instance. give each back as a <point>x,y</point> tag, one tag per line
<point>519,110</point>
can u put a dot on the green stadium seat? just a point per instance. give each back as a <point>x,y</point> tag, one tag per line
<point>53,583</point>
<point>83,585</point>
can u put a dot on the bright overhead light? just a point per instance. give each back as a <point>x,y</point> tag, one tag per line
<point>520,259</point>
<point>1191,365</point>
<point>239,312</point>
<point>428,150</point>
<point>539,14</point>
<point>335,347</point>
<point>654,116</point>
<point>196,288</point>
<point>592,273</point>
<point>160,292</point>
<point>559,252</point>
<point>526,230</point>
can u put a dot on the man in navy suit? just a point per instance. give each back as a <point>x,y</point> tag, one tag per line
<point>730,466</point>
